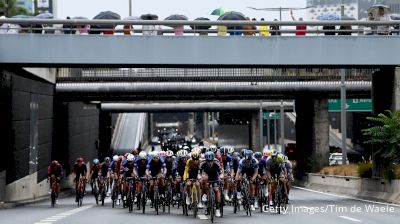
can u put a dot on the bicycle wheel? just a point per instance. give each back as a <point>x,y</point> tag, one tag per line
<point>53,198</point>
<point>211,205</point>
<point>143,201</point>
<point>234,202</point>
<point>279,199</point>
<point>156,198</point>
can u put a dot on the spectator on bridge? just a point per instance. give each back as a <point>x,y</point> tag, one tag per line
<point>382,30</point>
<point>68,29</point>
<point>248,29</point>
<point>3,27</point>
<point>128,29</point>
<point>369,30</point>
<point>222,30</point>
<point>264,30</point>
<point>300,29</point>
<point>275,30</point>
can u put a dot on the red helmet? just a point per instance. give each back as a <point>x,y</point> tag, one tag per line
<point>54,162</point>
<point>79,160</point>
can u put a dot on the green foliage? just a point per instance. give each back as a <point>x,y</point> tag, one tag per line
<point>364,169</point>
<point>11,8</point>
<point>385,136</point>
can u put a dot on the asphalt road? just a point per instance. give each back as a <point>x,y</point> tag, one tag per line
<point>302,209</point>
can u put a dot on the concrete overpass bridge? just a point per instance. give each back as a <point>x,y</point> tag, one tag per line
<point>51,118</point>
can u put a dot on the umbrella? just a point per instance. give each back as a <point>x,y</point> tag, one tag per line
<point>107,15</point>
<point>329,16</point>
<point>201,27</point>
<point>220,11</point>
<point>176,17</point>
<point>232,16</point>
<point>79,17</point>
<point>149,16</point>
<point>45,15</point>
<point>375,9</point>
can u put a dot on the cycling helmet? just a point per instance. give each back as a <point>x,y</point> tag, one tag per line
<point>235,155</point>
<point>135,152</point>
<point>115,158</point>
<point>143,155</point>
<point>223,150</point>
<point>266,153</point>
<point>54,162</point>
<point>179,153</point>
<point>257,155</point>
<point>195,155</point>
<point>79,160</point>
<point>169,153</point>
<point>107,159</point>
<point>242,152</point>
<point>161,153</point>
<point>248,155</point>
<point>156,157</point>
<point>213,148</point>
<point>153,153</point>
<point>184,153</point>
<point>186,148</point>
<point>126,155</point>
<point>209,156</point>
<point>274,153</point>
<point>95,161</point>
<point>231,150</point>
<point>130,158</point>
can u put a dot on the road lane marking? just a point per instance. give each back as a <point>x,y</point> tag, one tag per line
<point>347,197</point>
<point>202,217</point>
<point>351,219</point>
<point>63,215</point>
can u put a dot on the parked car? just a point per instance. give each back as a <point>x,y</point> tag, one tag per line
<point>336,159</point>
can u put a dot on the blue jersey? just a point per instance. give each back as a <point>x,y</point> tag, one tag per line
<point>155,168</point>
<point>127,168</point>
<point>248,166</point>
<point>262,165</point>
<point>171,168</point>
<point>227,163</point>
<point>140,167</point>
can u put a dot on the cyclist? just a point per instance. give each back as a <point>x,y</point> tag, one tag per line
<point>266,154</point>
<point>140,171</point>
<point>94,172</point>
<point>156,168</point>
<point>226,165</point>
<point>274,167</point>
<point>191,173</point>
<point>80,171</point>
<point>262,175</point>
<point>248,166</point>
<point>212,171</point>
<point>235,163</point>
<point>127,170</point>
<point>104,167</point>
<point>181,159</point>
<point>55,170</point>
<point>115,172</point>
<point>288,174</point>
<point>135,152</point>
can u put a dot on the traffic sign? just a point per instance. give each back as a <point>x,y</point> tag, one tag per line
<point>272,116</point>
<point>352,105</point>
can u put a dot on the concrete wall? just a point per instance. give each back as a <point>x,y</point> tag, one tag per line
<point>371,189</point>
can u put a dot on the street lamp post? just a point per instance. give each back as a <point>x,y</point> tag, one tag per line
<point>130,7</point>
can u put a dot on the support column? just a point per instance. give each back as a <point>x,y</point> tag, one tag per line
<point>320,135</point>
<point>255,132</point>
<point>206,129</point>
<point>383,90</point>
<point>396,91</point>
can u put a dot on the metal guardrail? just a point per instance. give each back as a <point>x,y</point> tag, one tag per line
<point>231,26</point>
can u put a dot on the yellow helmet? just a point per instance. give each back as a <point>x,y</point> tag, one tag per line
<point>195,155</point>
<point>280,158</point>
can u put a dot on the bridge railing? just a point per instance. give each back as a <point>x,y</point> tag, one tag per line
<point>212,28</point>
<point>208,74</point>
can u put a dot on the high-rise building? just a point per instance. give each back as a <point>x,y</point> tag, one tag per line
<point>352,8</point>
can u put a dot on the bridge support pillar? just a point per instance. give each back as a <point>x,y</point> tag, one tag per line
<point>396,95</point>
<point>385,90</point>
<point>255,132</point>
<point>312,134</point>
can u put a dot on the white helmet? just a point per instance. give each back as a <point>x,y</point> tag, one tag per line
<point>115,158</point>
<point>142,155</point>
<point>184,153</point>
<point>186,147</point>
<point>153,153</point>
<point>169,153</point>
<point>130,157</point>
<point>231,150</point>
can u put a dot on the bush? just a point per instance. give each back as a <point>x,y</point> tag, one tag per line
<point>340,170</point>
<point>364,169</point>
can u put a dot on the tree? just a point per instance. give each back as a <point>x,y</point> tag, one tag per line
<point>385,136</point>
<point>11,8</point>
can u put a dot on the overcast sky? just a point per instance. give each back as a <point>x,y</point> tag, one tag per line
<point>189,8</point>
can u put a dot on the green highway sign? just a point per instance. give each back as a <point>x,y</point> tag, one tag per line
<point>272,116</point>
<point>352,105</point>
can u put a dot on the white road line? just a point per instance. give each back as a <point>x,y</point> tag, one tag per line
<point>351,219</point>
<point>202,217</point>
<point>60,216</point>
<point>348,197</point>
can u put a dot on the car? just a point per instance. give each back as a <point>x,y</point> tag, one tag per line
<point>290,151</point>
<point>336,159</point>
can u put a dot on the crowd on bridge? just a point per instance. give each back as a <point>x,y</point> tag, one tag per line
<point>380,13</point>
<point>190,179</point>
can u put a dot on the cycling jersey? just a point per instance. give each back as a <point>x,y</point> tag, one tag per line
<point>191,169</point>
<point>235,164</point>
<point>115,167</point>
<point>155,168</point>
<point>56,170</point>
<point>128,169</point>
<point>248,167</point>
<point>288,166</point>
<point>104,169</point>
<point>95,169</point>
<point>140,167</point>
<point>212,171</point>
<point>180,168</point>
<point>262,164</point>
<point>171,168</point>
<point>79,170</point>
<point>275,167</point>
<point>227,163</point>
